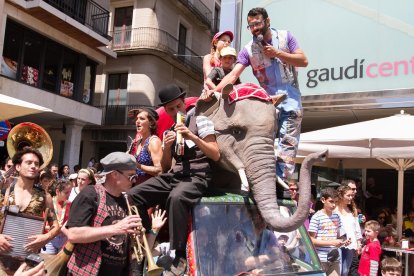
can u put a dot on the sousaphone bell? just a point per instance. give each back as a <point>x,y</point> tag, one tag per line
<point>30,135</point>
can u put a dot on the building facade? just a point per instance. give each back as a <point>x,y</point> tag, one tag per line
<point>157,43</point>
<point>51,50</point>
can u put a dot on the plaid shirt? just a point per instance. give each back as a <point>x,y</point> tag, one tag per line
<point>86,257</point>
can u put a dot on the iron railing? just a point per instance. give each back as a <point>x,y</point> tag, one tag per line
<point>86,12</point>
<point>117,114</point>
<point>200,10</point>
<point>155,39</point>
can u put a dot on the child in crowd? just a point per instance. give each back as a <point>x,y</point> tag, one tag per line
<point>391,267</point>
<point>228,57</point>
<point>324,232</point>
<point>371,252</point>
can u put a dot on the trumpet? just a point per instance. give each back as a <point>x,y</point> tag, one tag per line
<point>139,248</point>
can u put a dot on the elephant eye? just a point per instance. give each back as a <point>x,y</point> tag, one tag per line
<point>236,131</point>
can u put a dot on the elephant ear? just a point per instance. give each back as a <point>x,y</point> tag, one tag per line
<point>206,108</point>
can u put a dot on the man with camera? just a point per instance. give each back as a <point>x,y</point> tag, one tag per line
<point>26,198</point>
<point>182,185</point>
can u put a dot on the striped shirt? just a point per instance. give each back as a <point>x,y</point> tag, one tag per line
<point>326,228</point>
<point>205,126</point>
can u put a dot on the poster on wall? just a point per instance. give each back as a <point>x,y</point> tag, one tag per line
<point>66,85</point>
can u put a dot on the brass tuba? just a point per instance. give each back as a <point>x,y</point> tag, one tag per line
<point>30,135</point>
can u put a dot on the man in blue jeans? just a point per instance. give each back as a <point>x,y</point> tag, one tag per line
<point>273,54</point>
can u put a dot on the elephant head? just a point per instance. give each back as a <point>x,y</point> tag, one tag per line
<point>245,134</point>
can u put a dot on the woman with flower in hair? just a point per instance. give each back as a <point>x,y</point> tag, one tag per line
<point>211,60</point>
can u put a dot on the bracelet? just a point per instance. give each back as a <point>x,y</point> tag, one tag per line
<point>153,232</point>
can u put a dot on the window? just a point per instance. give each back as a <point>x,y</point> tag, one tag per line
<point>68,74</point>
<point>32,46</point>
<point>89,81</point>
<point>52,64</point>
<point>117,99</point>
<point>182,38</point>
<point>33,59</point>
<point>122,27</point>
<point>12,47</point>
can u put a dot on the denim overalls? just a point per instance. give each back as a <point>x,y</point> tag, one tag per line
<point>277,77</point>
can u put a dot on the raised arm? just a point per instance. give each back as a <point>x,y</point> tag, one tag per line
<point>231,77</point>
<point>296,58</point>
<point>88,234</point>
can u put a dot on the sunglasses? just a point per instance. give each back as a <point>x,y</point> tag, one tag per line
<point>293,189</point>
<point>131,178</point>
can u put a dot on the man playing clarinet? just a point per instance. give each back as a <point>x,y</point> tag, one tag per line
<point>182,185</point>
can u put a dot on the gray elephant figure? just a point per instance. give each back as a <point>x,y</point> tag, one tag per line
<point>245,135</point>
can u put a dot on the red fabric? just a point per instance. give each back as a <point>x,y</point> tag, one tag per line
<point>165,122</point>
<point>248,90</point>
<point>371,252</point>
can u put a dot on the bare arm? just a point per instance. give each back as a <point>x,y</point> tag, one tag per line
<point>316,242</point>
<point>297,58</point>
<point>155,150</point>
<point>206,65</point>
<point>87,234</point>
<point>209,83</point>
<point>158,220</point>
<point>208,145</point>
<point>36,242</point>
<point>231,77</point>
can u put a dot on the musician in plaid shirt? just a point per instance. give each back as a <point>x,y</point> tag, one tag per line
<point>98,222</point>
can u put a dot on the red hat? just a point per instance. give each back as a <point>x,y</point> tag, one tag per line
<point>217,35</point>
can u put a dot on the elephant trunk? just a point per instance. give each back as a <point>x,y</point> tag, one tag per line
<point>264,193</point>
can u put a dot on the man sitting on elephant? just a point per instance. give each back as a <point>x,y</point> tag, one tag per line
<point>182,186</point>
<point>273,54</point>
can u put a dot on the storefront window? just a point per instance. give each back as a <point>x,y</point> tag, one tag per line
<point>33,45</point>
<point>68,74</point>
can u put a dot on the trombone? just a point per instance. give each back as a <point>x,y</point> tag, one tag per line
<point>153,269</point>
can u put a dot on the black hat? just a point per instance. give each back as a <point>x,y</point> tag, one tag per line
<point>170,93</point>
<point>151,112</point>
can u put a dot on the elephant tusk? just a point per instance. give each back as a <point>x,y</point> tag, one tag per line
<point>244,182</point>
<point>282,183</point>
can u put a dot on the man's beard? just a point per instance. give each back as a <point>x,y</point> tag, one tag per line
<point>264,29</point>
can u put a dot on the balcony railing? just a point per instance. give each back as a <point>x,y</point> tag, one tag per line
<point>86,12</point>
<point>117,114</point>
<point>156,39</point>
<point>200,10</point>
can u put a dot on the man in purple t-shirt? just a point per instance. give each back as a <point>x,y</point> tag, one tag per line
<point>273,54</point>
